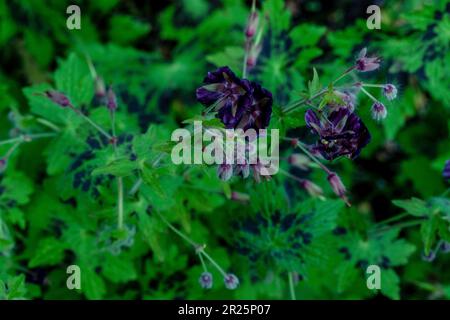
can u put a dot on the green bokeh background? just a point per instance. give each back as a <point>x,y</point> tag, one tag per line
<point>155,54</point>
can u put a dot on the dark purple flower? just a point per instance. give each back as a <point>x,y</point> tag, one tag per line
<point>257,114</point>
<point>446,172</point>
<point>341,133</point>
<point>239,102</point>
<point>225,92</point>
<point>364,63</point>
<point>206,280</point>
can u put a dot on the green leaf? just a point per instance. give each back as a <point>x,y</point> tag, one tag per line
<point>118,168</point>
<point>92,284</point>
<point>314,85</point>
<point>390,284</point>
<point>49,251</point>
<point>73,78</point>
<point>415,206</point>
<point>125,29</point>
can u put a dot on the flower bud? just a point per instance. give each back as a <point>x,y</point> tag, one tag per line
<point>225,171</point>
<point>111,101</point>
<point>253,56</point>
<point>337,186</point>
<point>3,165</point>
<point>206,280</point>
<point>299,160</point>
<point>390,91</point>
<point>379,111</point>
<point>231,281</point>
<point>100,90</point>
<point>238,196</point>
<point>58,98</point>
<point>313,189</point>
<point>252,25</point>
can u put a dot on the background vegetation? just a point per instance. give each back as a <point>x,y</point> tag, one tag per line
<point>58,193</point>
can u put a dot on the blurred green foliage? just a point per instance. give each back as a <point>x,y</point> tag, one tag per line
<point>58,194</point>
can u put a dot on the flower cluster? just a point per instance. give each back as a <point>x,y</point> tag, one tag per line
<point>341,132</point>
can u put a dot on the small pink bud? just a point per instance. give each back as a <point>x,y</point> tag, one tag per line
<point>252,24</point>
<point>390,91</point>
<point>337,186</point>
<point>58,98</point>
<point>100,90</point>
<point>379,111</point>
<point>253,56</point>
<point>206,280</point>
<point>299,160</point>
<point>111,101</point>
<point>238,196</point>
<point>3,164</point>
<point>231,281</point>
<point>313,189</point>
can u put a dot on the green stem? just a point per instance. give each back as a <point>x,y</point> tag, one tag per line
<point>214,263</point>
<point>344,74</point>
<point>392,219</point>
<point>120,203</point>
<point>135,187</point>
<point>372,85</point>
<point>48,124</point>
<point>311,156</point>
<point>202,262</point>
<point>291,286</point>
<point>291,107</point>
<point>369,95</point>
<point>179,233</point>
<point>92,123</point>
<point>402,225</point>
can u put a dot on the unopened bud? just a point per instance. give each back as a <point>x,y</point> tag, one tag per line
<point>252,24</point>
<point>253,56</point>
<point>238,196</point>
<point>225,171</point>
<point>337,186</point>
<point>390,91</point>
<point>58,98</point>
<point>299,160</point>
<point>231,281</point>
<point>313,189</point>
<point>100,90</point>
<point>111,101</point>
<point>379,111</point>
<point>206,280</point>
